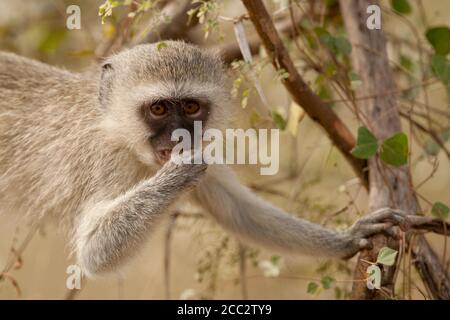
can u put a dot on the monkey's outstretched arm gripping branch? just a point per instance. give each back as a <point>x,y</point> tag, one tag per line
<point>110,232</point>
<point>240,211</point>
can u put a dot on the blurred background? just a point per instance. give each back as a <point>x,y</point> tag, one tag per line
<point>314,181</point>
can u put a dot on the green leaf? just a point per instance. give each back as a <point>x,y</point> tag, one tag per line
<point>275,260</point>
<point>278,120</point>
<point>330,70</point>
<point>366,144</point>
<point>374,278</point>
<point>312,288</point>
<point>401,6</point>
<point>327,282</point>
<point>324,92</point>
<point>439,38</point>
<point>245,95</point>
<point>387,256</point>
<point>330,3</point>
<point>338,293</point>
<point>282,74</point>
<point>337,45</point>
<point>394,150</point>
<point>432,147</point>
<point>440,210</point>
<point>324,36</point>
<point>254,119</point>
<point>406,62</point>
<point>342,45</point>
<point>441,68</point>
<point>161,45</point>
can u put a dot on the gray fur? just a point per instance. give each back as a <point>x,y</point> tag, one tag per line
<point>73,146</point>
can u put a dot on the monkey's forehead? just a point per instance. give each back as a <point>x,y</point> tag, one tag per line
<point>175,61</point>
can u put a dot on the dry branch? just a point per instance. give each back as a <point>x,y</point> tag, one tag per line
<point>429,224</point>
<point>319,111</point>
<point>231,51</point>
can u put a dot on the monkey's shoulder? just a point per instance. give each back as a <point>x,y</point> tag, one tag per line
<point>23,74</point>
<point>14,67</point>
<point>27,85</point>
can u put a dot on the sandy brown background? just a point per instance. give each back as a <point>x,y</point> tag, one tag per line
<point>43,273</point>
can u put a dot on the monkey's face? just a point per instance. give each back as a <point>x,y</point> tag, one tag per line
<point>146,93</point>
<point>166,115</point>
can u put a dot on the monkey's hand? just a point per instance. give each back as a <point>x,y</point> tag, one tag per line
<point>379,221</point>
<point>173,176</point>
<point>112,231</point>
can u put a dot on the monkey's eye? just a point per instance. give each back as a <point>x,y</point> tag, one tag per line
<point>158,110</point>
<point>191,108</point>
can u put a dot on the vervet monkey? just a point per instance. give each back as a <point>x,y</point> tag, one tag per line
<point>93,151</point>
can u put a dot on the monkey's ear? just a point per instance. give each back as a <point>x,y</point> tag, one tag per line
<point>106,83</point>
<point>106,66</point>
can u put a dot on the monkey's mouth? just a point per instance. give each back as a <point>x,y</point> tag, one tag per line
<point>164,154</point>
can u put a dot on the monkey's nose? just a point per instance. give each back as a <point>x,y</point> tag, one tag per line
<point>165,153</point>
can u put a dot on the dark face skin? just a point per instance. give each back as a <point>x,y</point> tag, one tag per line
<point>165,116</point>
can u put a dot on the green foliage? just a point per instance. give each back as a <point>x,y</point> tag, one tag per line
<point>431,147</point>
<point>406,62</point>
<point>441,68</point>
<point>276,260</point>
<point>439,38</point>
<point>366,144</point>
<point>282,74</point>
<point>355,80</point>
<point>245,95</point>
<point>327,282</point>
<point>386,256</point>
<point>342,45</point>
<point>337,45</point>
<point>161,45</point>
<point>440,210</point>
<point>254,119</point>
<point>374,277</point>
<point>242,68</point>
<point>330,3</point>
<point>401,6</point>
<point>394,150</point>
<point>106,9</point>
<point>312,288</point>
<point>207,14</point>
<point>278,120</point>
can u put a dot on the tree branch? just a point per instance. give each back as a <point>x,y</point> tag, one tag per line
<point>389,186</point>
<point>231,51</point>
<point>429,224</point>
<point>319,111</point>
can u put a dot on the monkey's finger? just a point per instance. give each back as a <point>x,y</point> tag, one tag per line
<point>371,229</point>
<point>384,215</point>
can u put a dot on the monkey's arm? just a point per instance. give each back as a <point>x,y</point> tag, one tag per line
<point>240,211</point>
<point>109,232</point>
